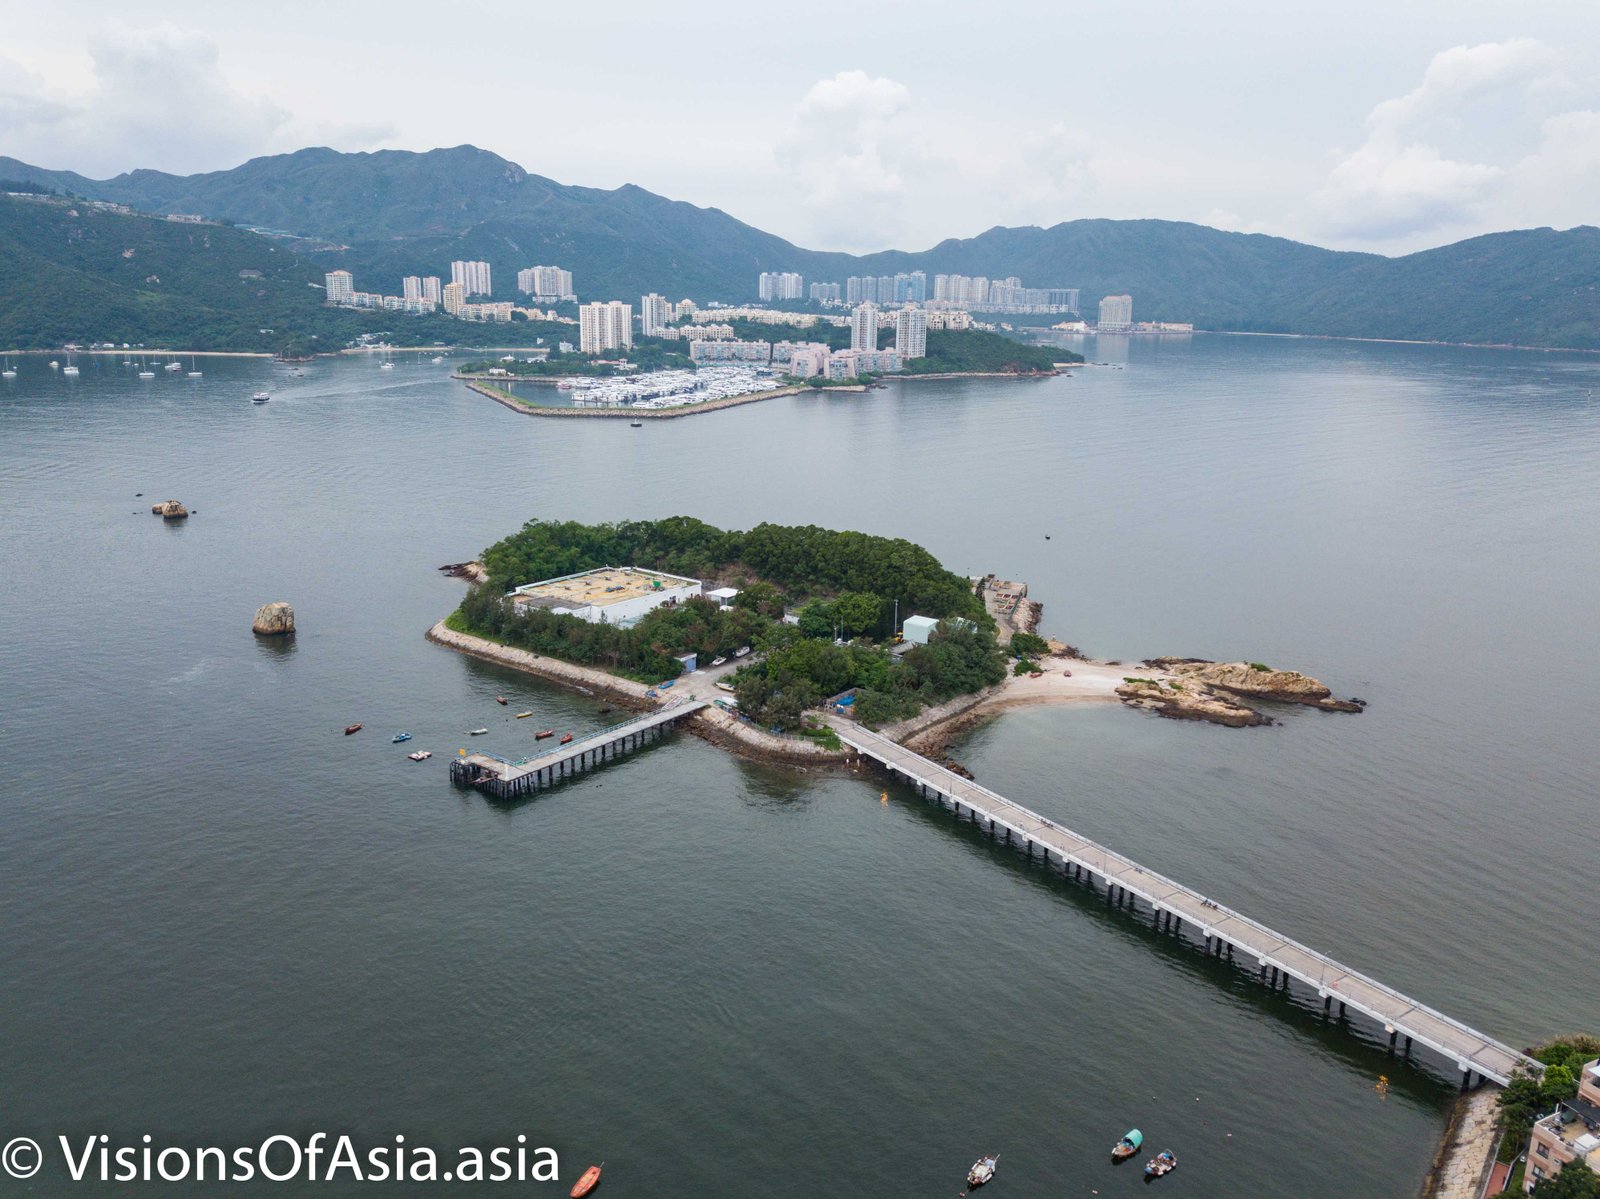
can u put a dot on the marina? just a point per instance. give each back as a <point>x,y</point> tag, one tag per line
<point>656,390</point>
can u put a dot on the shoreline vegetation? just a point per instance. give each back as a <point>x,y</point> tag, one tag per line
<point>818,608</point>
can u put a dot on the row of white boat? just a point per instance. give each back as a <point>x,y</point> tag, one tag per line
<point>668,389</point>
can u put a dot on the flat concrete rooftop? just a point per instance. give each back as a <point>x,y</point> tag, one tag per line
<point>599,587</point>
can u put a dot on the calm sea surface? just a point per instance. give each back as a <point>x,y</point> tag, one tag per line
<point>220,919</point>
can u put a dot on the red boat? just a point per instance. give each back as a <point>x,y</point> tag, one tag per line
<point>543,733</point>
<point>587,1183</point>
<point>567,738</point>
<point>351,728</point>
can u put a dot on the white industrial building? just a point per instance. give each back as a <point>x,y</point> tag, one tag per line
<point>607,594</point>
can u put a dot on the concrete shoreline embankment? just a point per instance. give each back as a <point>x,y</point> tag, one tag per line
<point>712,724</point>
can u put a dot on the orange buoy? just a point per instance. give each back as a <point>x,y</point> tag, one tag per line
<point>590,1180</point>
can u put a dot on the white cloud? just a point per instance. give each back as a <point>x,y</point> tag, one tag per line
<point>152,95</point>
<point>867,159</point>
<point>1404,181</point>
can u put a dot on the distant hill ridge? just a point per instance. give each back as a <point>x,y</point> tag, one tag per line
<point>395,212</point>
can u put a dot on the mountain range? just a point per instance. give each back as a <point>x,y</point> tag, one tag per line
<point>392,213</point>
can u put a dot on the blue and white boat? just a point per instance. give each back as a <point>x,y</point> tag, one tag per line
<point>399,737</point>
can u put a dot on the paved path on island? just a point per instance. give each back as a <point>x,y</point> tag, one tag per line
<point>1401,1016</point>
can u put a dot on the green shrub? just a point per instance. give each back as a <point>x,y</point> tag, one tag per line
<point>1026,645</point>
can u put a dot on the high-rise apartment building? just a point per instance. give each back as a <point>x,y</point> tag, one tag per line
<point>455,298</point>
<point>546,283</point>
<point>1116,315</point>
<point>603,327</point>
<point>864,327</point>
<point>411,286</point>
<point>341,285</point>
<point>911,333</point>
<point>473,276</point>
<point>780,285</point>
<point>430,288</point>
<point>653,314</point>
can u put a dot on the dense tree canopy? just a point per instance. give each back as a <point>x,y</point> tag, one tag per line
<point>848,584</point>
<point>805,560</point>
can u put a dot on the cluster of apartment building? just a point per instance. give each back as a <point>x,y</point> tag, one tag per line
<point>1002,295</point>
<point>780,285</point>
<point>903,288</point>
<point>911,287</point>
<point>340,291</point>
<point>422,294</point>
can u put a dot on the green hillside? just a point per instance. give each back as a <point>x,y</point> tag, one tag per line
<point>73,272</point>
<point>392,213</point>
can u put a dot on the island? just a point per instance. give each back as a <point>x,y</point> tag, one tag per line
<point>783,631</point>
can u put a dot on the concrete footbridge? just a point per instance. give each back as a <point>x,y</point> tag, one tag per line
<point>1224,931</point>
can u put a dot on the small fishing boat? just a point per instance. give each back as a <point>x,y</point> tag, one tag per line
<point>983,1170</point>
<point>476,732</point>
<point>718,661</point>
<point>543,733</point>
<point>387,366</point>
<point>351,728</point>
<point>1127,1146</point>
<point>1162,1163</point>
<point>260,397</point>
<point>566,739</point>
<point>399,737</point>
<point>523,715</point>
<point>636,424</point>
<point>500,699</point>
<point>587,1182</point>
<point>420,755</point>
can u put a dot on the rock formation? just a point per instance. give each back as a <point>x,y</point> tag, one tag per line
<point>1181,700</point>
<point>1254,680</point>
<point>169,510</point>
<point>1195,689</point>
<point>274,620</point>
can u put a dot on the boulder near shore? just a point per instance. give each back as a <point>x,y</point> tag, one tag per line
<point>169,510</point>
<point>274,620</point>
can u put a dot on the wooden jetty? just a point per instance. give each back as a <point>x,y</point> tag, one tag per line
<point>1223,931</point>
<point>505,779</point>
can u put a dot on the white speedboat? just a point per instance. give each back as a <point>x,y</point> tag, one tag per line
<point>260,397</point>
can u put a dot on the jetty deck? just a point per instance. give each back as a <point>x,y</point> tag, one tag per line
<point>505,779</point>
<point>1224,931</point>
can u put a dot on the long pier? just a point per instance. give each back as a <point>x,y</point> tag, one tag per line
<point>505,779</point>
<point>1224,931</point>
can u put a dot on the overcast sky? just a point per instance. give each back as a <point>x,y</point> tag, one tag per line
<point>1387,126</point>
